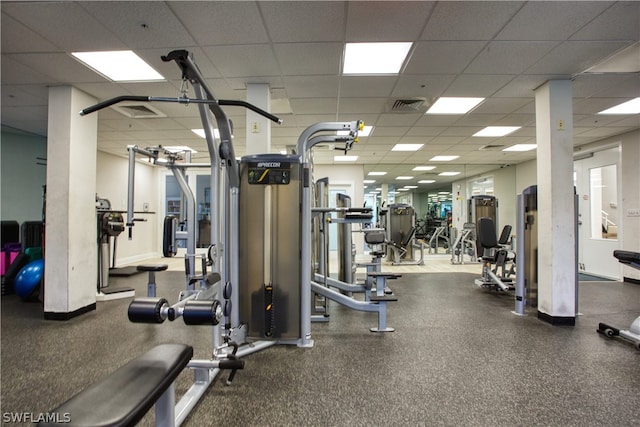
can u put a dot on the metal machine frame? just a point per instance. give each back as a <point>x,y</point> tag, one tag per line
<point>216,301</point>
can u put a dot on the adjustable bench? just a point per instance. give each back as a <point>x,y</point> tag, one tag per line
<point>632,259</point>
<point>125,396</point>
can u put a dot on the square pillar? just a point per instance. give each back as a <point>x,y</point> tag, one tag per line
<point>258,127</point>
<point>557,288</point>
<point>71,254</point>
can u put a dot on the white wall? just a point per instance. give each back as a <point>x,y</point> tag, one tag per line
<point>22,178</point>
<point>351,175</point>
<point>629,187</point>
<point>112,183</point>
<point>526,175</point>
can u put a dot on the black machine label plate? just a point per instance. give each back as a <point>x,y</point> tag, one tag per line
<point>269,173</point>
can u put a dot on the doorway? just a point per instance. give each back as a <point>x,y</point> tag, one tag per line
<point>599,220</point>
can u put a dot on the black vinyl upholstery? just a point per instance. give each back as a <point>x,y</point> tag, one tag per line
<point>125,396</point>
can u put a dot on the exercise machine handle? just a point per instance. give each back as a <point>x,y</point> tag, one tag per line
<point>112,101</point>
<point>251,107</point>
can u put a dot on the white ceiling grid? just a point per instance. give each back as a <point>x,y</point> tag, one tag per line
<point>500,50</point>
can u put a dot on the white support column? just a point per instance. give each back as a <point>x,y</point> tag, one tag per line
<point>384,196</point>
<point>258,127</point>
<point>71,258</point>
<point>556,219</point>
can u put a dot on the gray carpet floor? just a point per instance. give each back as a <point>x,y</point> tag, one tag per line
<point>458,357</point>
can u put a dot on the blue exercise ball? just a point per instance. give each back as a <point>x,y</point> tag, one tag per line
<point>29,278</point>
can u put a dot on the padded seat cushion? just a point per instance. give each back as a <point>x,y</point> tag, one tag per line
<point>125,396</point>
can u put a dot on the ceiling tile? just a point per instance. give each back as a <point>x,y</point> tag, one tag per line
<point>618,22</point>
<point>573,57</point>
<point>243,61</point>
<point>452,20</point>
<point>509,57</point>
<point>288,21</point>
<point>443,57</point>
<point>324,58</point>
<point>561,19</point>
<point>145,24</point>
<point>370,21</point>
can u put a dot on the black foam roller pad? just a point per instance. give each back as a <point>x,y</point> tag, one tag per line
<point>147,310</point>
<point>202,312</point>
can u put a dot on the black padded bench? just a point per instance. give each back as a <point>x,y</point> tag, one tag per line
<point>125,396</point>
<point>632,259</point>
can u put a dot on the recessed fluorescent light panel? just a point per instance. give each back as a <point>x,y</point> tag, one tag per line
<point>426,181</point>
<point>407,147</point>
<point>456,105</point>
<point>369,181</point>
<point>424,168</point>
<point>443,158</point>
<point>449,173</point>
<point>494,131</point>
<point>375,58</point>
<point>404,177</point>
<point>376,173</point>
<point>119,66</point>
<point>629,107</point>
<point>521,147</point>
<point>345,158</point>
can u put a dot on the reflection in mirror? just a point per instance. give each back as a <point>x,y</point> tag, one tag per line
<point>603,202</point>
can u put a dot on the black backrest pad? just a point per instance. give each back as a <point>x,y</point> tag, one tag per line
<point>409,236</point>
<point>487,233</point>
<point>374,237</point>
<point>504,236</point>
<point>125,396</point>
<point>627,257</point>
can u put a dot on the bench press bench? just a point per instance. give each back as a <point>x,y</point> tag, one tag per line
<point>124,397</point>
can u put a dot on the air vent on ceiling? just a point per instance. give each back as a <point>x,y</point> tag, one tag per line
<point>491,147</point>
<point>407,105</point>
<point>138,111</point>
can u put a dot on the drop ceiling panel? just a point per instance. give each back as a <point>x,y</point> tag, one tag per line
<point>523,86</point>
<point>378,21</point>
<point>618,22</point>
<point>314,105</point>
<point>502,57</point>
<point>311,86</point>
<point>60,67</point>
<point>424,86</point>
<point>561,19</point>
<point>220,23</point>
<point>60,17</point>
<point>14,72</point>
<point>243,61</point>
<point>469,20</point>
<point>398,119</point>
<point>443,57</point>
<point>461,48</point>
<point>323,58</point>
<point>19,38</point>
<point>362,105</point>
<point>353,87</point>
<point>573,57</point>
<point>144,24</point>
<point>304,21</point>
